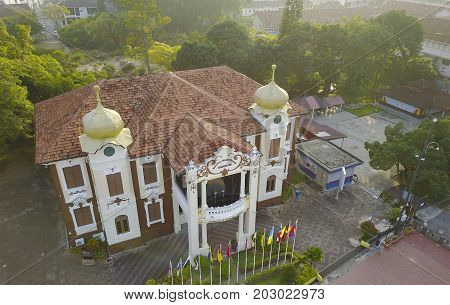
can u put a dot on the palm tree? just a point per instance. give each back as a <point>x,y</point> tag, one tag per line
<point>313,254</point>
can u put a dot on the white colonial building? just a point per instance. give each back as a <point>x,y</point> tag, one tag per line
<point>191,147</point>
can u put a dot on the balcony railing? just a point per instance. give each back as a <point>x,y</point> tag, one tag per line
<point>213,214</point>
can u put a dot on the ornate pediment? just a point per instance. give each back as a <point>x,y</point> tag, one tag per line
<point>225,160</point>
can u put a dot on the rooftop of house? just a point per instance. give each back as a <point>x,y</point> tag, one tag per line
<point>79,3</point>
<point>310,103</point>
<point>14,10</point>
<point>310,127</point>
<point>326,14</point>
<point>158,109</point>
<point>266,3</point>
<point>421,93</point>
<point>437,29</point>
<point>413,260</point>
<point>327,155</point>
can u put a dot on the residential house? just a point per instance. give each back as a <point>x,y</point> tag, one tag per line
<point>436,43</point>
<point>418,98</point>
<point>262,6</point>
<point>79,9</point>
<point>133,159</point>
<point>32,4</point>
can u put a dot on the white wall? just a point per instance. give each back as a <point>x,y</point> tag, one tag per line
<point>441,54</point>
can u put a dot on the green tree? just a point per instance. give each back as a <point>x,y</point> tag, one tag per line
<point>313,255</point>
<point>400,149</point>
<point>143,18</point>
<point>55,13</point>
<point>163,54</point>
<point>291,16</point>
<point>194,55</point>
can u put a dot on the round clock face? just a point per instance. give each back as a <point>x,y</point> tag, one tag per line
<point>277,119</point>
<point>109,151</point>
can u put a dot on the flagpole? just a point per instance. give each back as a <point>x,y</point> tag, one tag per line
<point>181,271</point>
<point>271,244</point>
<point>293,244</point>
<point>200,268</point>
<point>279,243</point>
<point>246,251</point>
<point>263,239</point>
<point>254,253</point>
<point>210,272</point>
<point>220,264</point>
<point>237,268</point>
<point>229,261</point>
<point>171,272</point>
<point>190,269</point>
<point>287,242</point>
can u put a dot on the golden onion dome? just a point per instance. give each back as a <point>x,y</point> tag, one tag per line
<point>271,96</point>
<point>102,123</point>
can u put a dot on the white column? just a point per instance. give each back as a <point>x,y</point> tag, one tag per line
<point>191,194</point>
<point>205,247</point>
<point>243,184</point>
<point>250,215</point>
<point>175,204</point>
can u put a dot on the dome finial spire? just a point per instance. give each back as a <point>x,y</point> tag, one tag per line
<point>273,71</point>
<point>97,94</point>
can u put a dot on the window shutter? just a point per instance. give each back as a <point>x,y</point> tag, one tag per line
<point>154,211</point>
<point>73,176</point>
<point>83,216</point>
<point>274,148</point>
<point>288,132</point>
<point>115,185</point>
<point>150,175</point>
<point>258,142</point>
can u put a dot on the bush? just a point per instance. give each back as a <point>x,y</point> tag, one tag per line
<point>290,274</point>
<point>307,274</point>
<point>394,214</point>
<point>150,282</point>
<point>313,254</point>
<point>368,229</point>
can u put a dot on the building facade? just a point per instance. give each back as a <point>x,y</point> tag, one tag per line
<point>79,9</point>
<point>263,6</point>
<point>325,163</point>
<point>190,147</point>
<point>33,4</point>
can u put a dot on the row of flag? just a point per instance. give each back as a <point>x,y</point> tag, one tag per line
<point>283,235</point>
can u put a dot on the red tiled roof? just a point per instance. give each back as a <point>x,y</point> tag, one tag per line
<point>311,130</point>
<point>152,106</point>
<point>309,102</point>
<point>197,139</point>
<point>333,100</point>
<point>413,260</point>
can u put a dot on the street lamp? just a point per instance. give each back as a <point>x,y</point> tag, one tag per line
<point>428,145</point>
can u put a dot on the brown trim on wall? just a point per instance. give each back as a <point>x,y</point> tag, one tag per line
<point>157,229</point>
<point>64,208</point>
<point>269,203</point>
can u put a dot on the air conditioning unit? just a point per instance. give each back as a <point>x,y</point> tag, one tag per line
<point>99,236</point>
<point>79,242</point>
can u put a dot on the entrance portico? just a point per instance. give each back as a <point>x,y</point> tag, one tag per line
<point>218,190</point>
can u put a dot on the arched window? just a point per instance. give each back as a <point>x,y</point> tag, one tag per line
<point>122,225</point>
<point>270,186</point>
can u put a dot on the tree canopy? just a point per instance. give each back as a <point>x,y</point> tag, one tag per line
<point>401,147</point>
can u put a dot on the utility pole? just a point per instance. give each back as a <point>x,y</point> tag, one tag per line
<point>420,158</point>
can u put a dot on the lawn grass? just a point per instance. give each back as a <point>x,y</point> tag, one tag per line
<point>363,110</point>
<point>295,177</point>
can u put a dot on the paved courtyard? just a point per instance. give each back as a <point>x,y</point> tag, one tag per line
<point>33,236</point>
<point>363,129</point>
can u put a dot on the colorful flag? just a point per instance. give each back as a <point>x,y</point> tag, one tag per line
<point>170,269</point>
<point>282,232</point>
<point>229,250</point>
<point>263,239</point>
<point>269,240</point>
<point>246,243</point>
<point>253,240</point>
<point>219,254</point>
<point>179,266</point>
<point>196,264</point>
<point>210,256</point>
<point>293,229</point>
